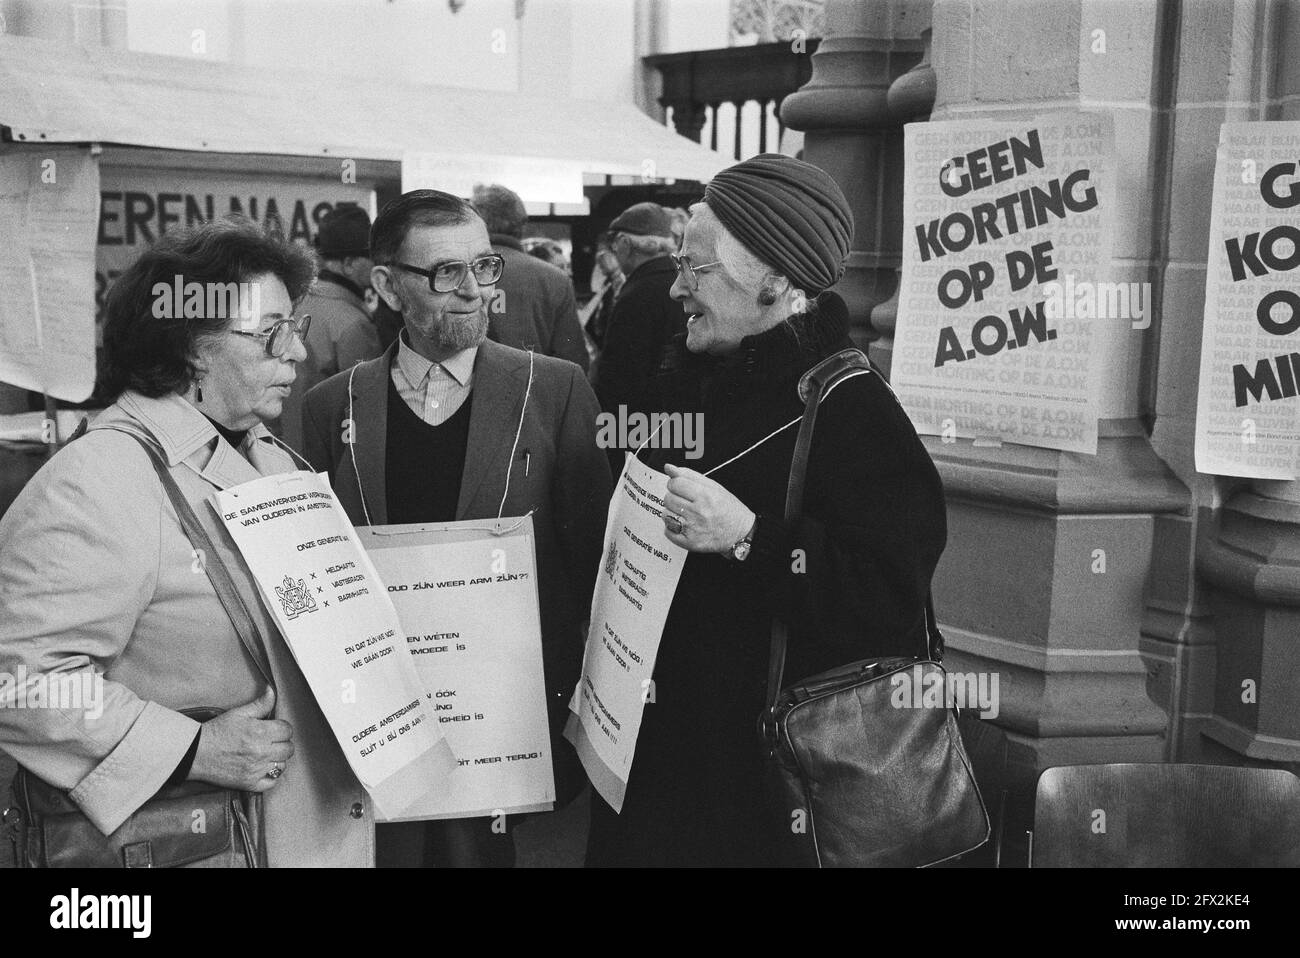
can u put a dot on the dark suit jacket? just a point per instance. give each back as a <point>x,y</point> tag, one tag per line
<point>540,312</point>
<point>558,472</point>
<point>341,336</point>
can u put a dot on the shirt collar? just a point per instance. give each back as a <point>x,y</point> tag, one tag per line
<point>180,429</point>
<point>460,366</point>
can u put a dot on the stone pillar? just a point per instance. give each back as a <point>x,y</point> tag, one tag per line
<point>648,38</point>
<point>1251,562</point>
<point>1044,580</point>
<point>850,133</point>
<point>910,98</point>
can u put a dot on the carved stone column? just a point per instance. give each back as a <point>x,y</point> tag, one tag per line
<point>850,132</point>
<point>1241,706</point>
<point>910,98</point>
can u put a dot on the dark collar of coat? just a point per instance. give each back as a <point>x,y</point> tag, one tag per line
<point>500,377</point>
<point>784,352</point>
<point>651,267</point>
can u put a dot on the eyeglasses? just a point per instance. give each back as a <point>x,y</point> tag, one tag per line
<point>447,277</point>
<point>279,338</point>
<point>690,271</point>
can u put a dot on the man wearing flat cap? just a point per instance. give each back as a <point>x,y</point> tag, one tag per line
<point>849,578</point>
<point>342,333</point>
<point>644,318</point>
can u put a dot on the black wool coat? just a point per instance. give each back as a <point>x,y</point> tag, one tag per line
<point>643,321</point>
<point>850,579</point>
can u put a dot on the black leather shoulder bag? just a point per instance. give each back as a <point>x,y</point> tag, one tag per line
<point>855,780</point>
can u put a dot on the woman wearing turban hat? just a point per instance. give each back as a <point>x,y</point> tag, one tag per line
<point>850,578</point>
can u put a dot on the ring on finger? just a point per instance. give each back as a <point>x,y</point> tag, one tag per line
<point>675,524</point>
<point>276,770</point>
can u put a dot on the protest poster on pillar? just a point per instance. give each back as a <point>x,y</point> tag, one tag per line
<point>1246,406</point>
<point>1006,247</point>
<point>466,593</point>
<point>335,615</point>
<point>634,591</point>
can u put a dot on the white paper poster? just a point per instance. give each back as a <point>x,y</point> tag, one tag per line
<point>634,592</point>
<point>335,613</point>
<point>48,207</point>
<point>1006,247</point>
<point>1246,406</point>
<point>468,604</point>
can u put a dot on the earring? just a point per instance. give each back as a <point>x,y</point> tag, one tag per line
<point>766,296</point>
<point>198,390</point>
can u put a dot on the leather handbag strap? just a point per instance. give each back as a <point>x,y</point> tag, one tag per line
<point>231,599</point>
<point>813,387</point>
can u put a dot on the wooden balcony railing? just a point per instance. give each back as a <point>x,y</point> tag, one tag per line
<point>698,83</point>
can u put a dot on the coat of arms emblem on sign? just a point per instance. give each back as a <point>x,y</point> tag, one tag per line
<point>611,560</point>
<point>295,598</point>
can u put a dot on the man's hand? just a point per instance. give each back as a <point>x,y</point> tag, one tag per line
<point>712,519</point>
<point>242,748</point>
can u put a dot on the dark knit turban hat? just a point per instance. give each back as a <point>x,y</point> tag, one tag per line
<point>788,213</point>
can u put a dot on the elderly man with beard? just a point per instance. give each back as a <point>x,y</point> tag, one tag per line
<point>448,425</point>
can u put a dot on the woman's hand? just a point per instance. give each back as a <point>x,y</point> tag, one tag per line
<point>712,519</point>
<point>242,748</point>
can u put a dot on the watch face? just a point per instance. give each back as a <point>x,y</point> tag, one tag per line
<point>741,550</point>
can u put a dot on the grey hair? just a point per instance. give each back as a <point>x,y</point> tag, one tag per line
<point>651,245</point>
<point>743,266</point>
<point>501,209</point>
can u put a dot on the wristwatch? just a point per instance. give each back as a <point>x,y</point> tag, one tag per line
<point>740,551</point>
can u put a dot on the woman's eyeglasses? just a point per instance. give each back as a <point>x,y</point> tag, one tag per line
<point>690,271</point>
<point>279,338</point>
<point>447,277</point>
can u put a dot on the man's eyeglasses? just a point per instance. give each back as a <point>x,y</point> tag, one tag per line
<point>279,338</point>
<point>690,271</point>
<point>448,277</point>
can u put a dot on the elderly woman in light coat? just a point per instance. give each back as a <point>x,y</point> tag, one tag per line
<point>99,577</point>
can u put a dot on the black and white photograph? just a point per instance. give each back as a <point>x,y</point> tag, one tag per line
<point>701,439</point>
